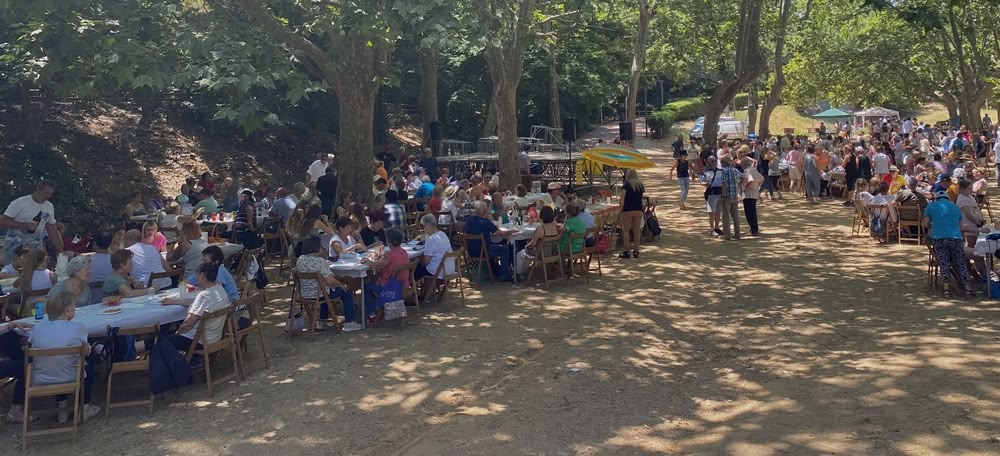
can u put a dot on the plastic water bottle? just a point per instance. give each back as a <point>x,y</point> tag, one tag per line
<point>39,310</point>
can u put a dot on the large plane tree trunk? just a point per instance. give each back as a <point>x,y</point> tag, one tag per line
<point>774,96</point>
<point>638,61</point>
<point>428,89</point>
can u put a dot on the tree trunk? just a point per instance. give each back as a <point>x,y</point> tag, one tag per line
<point>774,96</point>
<point>555,116</point>
<point>952,106</point>
<point>33,118</point>
<point>750,64</point>
<point>969,115</point>
<point>752,110</point>
<point>638,60</point>
<point>428,89</point>
<point>505,102</point>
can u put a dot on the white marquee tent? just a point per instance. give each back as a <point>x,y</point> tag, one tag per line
<point>879,112</point>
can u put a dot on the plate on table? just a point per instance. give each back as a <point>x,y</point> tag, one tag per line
<point>111,311</point>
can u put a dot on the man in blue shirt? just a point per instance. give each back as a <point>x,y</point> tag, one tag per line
<point>480,223</point>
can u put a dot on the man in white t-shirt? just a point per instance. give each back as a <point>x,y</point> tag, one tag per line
<point>211,298</point>
<point>907,127</point>
<point>318,168</point>
<point>435,247</point>
<point>881,163</point>
<point>996,159</point>
<point>146,260</point>
<point>29,218</point>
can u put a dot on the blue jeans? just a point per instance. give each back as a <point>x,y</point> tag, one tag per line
<point>372,292</point>
<point>347,297</point>
<point>503,252</point>
<point>685,184</point>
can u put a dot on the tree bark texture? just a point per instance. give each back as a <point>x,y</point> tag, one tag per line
<point>428,89</point>
<point>750,64</point>
<point>774,96</point>
<point>555,116</point>
<point>638,61</point>
<point>752,110</point>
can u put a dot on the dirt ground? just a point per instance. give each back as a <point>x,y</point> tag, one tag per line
<point>801,342</point>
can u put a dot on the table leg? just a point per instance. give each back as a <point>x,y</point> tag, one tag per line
<point>364,313</point>
<point>989,275</point>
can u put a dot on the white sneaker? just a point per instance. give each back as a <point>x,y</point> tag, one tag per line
<point>352,326</point>
<point>319,326</point>
<point>90,411</point>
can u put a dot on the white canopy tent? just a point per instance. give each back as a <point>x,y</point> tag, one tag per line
<point>877,111</point>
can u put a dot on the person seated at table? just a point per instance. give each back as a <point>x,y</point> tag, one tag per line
<point>151,236</point>
<point>210,298</point>
<point>213,254</point>
<point>573,225</point>
<point>13,366</point>
<point>588,221</point>
<point>344,208</point>
<point>284,205</point>
<point>910,196</point>
<point>168,221</point>
<point>521,199</point>
<point>476,189</point>
<point>450,206</point>
<point>188,249</point>
<point>497,211</point>
<point>395,257</point>
<point>35,275</point>
<point>980,186</point>
<point>359,220</point>
<point>375,231</point>
<point>436,245</point>
<point>133,208</point>
<point>146,260</point>
<point>17,262</point>
<point>554,197</point>
<point>185,191</point>
<point>120,282</point>
<point>206,202</point>
<point>425,190</point>
<point>943,219</point>
<point>343,241</point>
<point>61,331</point>
<point>436,203</point>
<point>75,283</point>
<point>972,216</point>
<point>313,261</point>
<point>548,227</point>
<point>395,213</point>
<point>480,224</point>
<point>894,180</point>
<point>245,223</point>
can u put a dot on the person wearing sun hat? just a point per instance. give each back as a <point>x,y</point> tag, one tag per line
<point>943,220</point>
<point>894,180</point>
<point>553,196</point>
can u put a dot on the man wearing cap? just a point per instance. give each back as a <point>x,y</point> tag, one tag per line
<point>318,168</point>
<point>553,197</point>
<point>943,220</point>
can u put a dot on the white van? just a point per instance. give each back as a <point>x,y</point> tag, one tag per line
<point>731,127</point>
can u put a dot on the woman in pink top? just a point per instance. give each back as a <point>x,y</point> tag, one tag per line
<point>151,235</point>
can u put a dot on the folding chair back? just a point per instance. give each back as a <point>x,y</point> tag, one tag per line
<point>579,258</point>
<point>253,305</point>
<point>174,275</point>
<point>140,364</point>
<point>592,253</point>
<point>549,253</point>
<point>73,388</point>
<point>455,258</point>
<point>476,260</point>
<point>246,258</point>
<point>910,227</point>
<point>311,305</point>
<point>226,343</point>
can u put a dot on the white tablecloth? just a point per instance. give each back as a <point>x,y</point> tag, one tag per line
<point>532,198</point>
<point>524,232</point>
<point>139,311</point>
<point>985,246</point>
<point>350,266</point>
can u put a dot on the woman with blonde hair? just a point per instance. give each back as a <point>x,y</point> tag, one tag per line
<point>631,213</point>
<point>35,275</point>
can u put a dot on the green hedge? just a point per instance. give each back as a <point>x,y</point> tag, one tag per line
<point>741,99</point>
<point>684,109</point>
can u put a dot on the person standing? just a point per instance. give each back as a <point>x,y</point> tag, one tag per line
<point>317,169</point>
<point>631,213</point>
<point>678,146</point>
<point>751,192</point>
<point>811,175</point>
<point>943,218</point>
<point>326,188</point>
<point>794,159</point>
<point>711,178</point>
<point>683,167</point>
<point>732,181</point>
<point>29,219</point>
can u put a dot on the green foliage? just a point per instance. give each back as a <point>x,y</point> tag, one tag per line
<point>685,109</point>
<point>661,122</point>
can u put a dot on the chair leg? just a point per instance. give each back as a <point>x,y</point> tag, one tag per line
<point>208,374</point>
<point>152,397</point>
<point>238,365</point>
<point>107,397</point>
<point>76,411</point>
<point>263,350</point>
<point>24,424</point>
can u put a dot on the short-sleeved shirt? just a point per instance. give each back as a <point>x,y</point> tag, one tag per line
<point>111,284</point>
<point>316,169</point>
<point>100,266</point>
<point>945,219</point>
<point>395,257</point>
<point>82,299</point>
<point>881,162</point>
<point>145,261</point>
<point>283,207</point>
<point>56,334</point>
<point>369,236</point>
<point>436,246</point>
<point>210,205</point>
<point>25,209</point>
<point>573,225</point>
<point>308,264</point>
<point>209,300</point>
<point>224,278</point>
<point>477,225</point>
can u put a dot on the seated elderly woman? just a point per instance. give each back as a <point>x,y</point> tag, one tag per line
<point>78,273</point>
<point>972,216</point>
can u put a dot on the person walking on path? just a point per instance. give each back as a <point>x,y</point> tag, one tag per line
<point>751,192</point>
<point>683,167</point>
<point>811,175</point>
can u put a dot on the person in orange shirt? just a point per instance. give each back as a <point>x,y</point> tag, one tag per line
<point>380,170</point>
<point>823,160</point>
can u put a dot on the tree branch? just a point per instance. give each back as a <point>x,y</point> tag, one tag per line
<point>559,17</point>
<point>293,40</point>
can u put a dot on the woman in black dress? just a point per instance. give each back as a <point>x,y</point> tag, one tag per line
<point>851,173</point>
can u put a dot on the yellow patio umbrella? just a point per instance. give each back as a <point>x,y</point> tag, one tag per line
<point>618,157</point>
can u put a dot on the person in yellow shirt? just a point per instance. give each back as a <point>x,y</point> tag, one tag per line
<point>894,180</point>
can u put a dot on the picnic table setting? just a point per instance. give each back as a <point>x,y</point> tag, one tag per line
<point>138,311</point>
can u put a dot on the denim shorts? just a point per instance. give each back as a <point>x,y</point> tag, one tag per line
<point>712,203</point>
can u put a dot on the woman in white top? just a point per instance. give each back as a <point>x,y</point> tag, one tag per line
<point>972,215</point>
<point>35,275</point>
<point>343,242</point>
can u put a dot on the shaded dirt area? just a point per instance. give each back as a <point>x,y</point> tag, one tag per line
<point>800,342</point>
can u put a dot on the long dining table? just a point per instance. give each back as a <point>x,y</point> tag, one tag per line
<point>350,265</point>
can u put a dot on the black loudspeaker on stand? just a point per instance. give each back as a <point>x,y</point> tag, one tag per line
<point>569,129</point>
<point>625,131</point>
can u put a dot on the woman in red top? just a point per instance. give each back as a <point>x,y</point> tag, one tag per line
<point>436,200</point>
<point>391,261</point>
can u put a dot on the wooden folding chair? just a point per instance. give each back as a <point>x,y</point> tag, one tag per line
<point>311,306</point>
<point>448,228</point>
<point>411,291</point>
<point>580,258</point>
<point>861,218</point>
<point>549,253</point>
<point>933,271</point>
<point>473,261</point>
<point>412,210</point>
<point>277,240</point>
<point>175,275</point>
<point>253,305</point>
<point>456,257</point>
<point>28,301</point>
<point>201,346</point>
<point>910,216</point>
<point>592,251</point>
<point>140,364</point>
<point>984,203</point>
<point>413,231</point>
<point>6,308</point>
<point>31,391</point>
<point>246,258</point>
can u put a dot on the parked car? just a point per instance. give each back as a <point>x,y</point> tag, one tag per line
<point>731,127</point>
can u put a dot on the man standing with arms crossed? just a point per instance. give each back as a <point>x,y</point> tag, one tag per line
<point>732,182</point>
